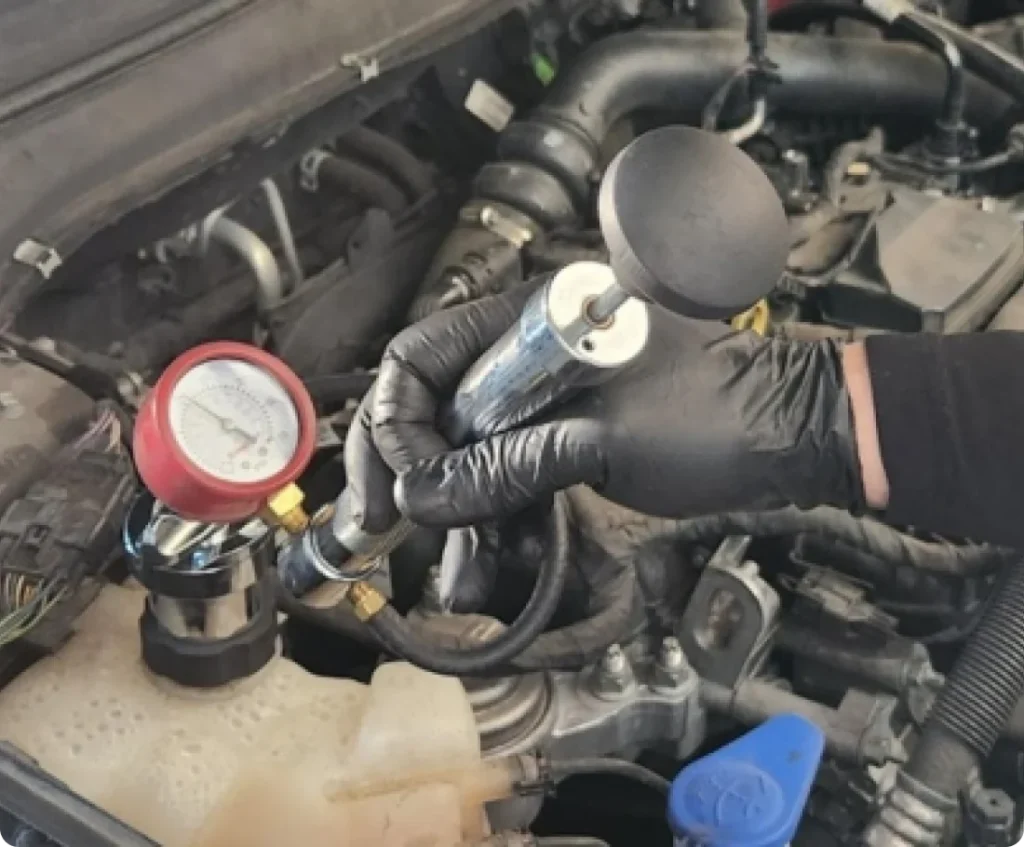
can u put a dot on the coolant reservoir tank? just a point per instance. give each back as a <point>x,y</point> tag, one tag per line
<point>282,757</point>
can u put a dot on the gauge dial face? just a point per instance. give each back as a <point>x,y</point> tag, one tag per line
<point>234,421</point>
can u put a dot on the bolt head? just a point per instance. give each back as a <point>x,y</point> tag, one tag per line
<point>614,660</point>
<point>671,656</point>
<point>613,676</point>
<point>992,807</point>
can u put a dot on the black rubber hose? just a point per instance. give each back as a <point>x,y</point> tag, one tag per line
<point>980,694</point>
<point>610,767</point>
<point>977,166</point>
<point>364,182</point>
<point>401,639</point>
<point>332,391</point>
<point>878,539</point>
<point>954,103</point>
<point>796,17</point>
<point>385,153</point>
<point>327,619</point>
<point>568,648</point>
<point>757,31</point>
<point>576,645</point>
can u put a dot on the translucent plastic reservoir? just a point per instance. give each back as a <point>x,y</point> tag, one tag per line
<point>282,758</point>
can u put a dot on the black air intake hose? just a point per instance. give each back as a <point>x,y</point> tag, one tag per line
<point>969,714</point>
<point>550,162</point>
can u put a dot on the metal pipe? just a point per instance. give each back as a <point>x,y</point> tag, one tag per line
<point>284,231</point>
<point>254,252</point>
<point>752,125</point>
<point>859,731</point>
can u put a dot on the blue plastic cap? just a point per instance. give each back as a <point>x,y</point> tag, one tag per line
<point>750,793</point>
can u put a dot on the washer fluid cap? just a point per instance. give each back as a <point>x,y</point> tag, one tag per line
<point>750,793</point>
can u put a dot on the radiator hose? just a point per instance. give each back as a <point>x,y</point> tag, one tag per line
<point>549,162</point>
<point>969,714</point>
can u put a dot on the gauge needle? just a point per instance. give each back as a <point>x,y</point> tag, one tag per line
<point>226,423</point>
<point>241,447</point>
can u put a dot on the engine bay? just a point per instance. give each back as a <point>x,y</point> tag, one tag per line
<point>183,663</point>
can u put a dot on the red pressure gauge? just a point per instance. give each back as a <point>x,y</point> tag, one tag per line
<point>226,426</point>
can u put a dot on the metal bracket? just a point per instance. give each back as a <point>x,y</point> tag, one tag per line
<point>35,254</point>
<point>309,169</point>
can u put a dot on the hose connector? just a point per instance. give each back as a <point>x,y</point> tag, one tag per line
<point>366,601</point>
<point>284,509</point>
<point>913,816</point>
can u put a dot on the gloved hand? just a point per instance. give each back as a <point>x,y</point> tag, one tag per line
<point>708,420</point>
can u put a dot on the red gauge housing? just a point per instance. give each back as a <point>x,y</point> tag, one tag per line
<point>189,490</point>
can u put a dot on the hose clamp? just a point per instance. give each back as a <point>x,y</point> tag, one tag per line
<point>311,550</point>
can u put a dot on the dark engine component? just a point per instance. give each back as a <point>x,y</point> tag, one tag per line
<point>448,175</point>
<point>56,538</point>
<point>38,413</point>
<point>548,162</point>
<point>969,713</point>
<point>31,794</point>
<point>68,521</point>
<point>913,262</point>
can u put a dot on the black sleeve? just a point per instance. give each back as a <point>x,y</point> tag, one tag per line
<point>950,412</point>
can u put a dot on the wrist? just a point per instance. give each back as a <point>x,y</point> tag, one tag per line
<point>869,452</point>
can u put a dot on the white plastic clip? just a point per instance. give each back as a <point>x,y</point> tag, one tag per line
<point>42,257</point>
<point>369,66</point>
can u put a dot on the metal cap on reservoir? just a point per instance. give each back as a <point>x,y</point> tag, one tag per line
<point>750,793</point>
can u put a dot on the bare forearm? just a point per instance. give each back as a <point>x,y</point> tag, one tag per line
<point>869,452</point>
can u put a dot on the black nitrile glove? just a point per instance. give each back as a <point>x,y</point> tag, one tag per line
<point>708,420</point>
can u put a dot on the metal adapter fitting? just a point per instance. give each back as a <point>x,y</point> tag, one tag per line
<point>365,600</point>
<point>284,509</point>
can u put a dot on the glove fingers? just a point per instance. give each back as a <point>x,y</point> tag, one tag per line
<point>499,476</point>
<point>422,367</point>
<point>369,480</point>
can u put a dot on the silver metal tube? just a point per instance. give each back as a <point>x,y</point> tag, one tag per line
<point>284,231</point>
<point>751,126</point>
<point>257,255</point>
<point>605,305</point>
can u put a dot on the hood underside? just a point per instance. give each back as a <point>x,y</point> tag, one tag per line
<point>106,104</point>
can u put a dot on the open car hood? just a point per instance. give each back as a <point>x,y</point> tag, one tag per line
<point>108,104</point>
